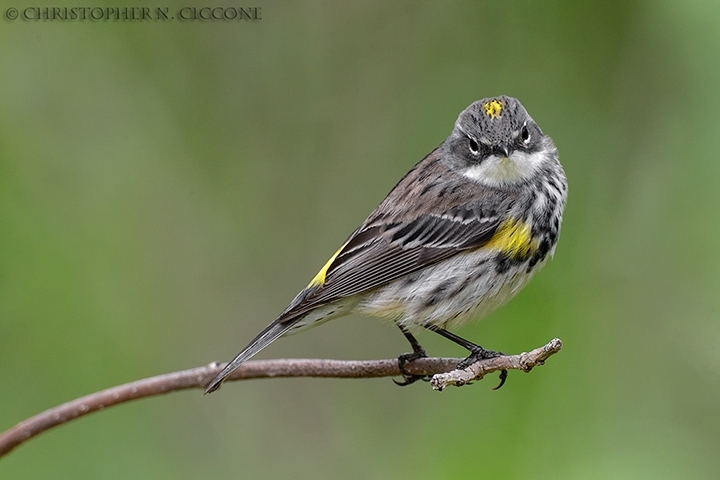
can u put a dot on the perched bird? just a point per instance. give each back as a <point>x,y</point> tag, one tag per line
<point>461,233</point>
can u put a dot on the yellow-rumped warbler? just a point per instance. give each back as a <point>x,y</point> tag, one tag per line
<point>458,236</point>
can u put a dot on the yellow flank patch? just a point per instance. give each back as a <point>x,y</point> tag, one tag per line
<point>319,279</point>
<point>493,108</point>
<point>514,238</point>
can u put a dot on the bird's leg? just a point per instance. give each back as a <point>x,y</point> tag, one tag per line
<point>476,351</point>
<point>418,352</point>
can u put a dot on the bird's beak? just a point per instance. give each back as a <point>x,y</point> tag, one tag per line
<point>504,150</point>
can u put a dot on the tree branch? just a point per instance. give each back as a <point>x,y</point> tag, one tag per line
<point>525,361</point>
<point>200,377</point>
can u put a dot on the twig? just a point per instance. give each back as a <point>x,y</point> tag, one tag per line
<point>476,371</point>
<point>200,377</point>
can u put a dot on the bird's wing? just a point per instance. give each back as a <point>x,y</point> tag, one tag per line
<point>431,214</point>
<point>389,245</point>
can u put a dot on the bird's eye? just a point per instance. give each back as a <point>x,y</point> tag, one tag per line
<point>474,147</point>
<point>525,135</point>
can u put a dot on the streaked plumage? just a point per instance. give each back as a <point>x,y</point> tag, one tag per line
<point>458,236</point>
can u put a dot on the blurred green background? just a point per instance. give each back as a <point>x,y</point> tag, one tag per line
<point>166,188</point>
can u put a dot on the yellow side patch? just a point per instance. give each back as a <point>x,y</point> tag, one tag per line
<point>493,108</point>
<point>514,238</point>
<point>319,279</point>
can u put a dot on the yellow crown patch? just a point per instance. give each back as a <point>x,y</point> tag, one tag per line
<point>493,108</point>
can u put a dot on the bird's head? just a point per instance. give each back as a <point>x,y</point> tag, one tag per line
<point>496,142</point>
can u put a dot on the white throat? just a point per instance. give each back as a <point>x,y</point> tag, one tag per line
<point>495,171</point>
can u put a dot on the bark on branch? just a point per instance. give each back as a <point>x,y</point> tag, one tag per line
<point>440,368</point>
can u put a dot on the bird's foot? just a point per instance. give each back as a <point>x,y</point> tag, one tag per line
<point>403,360</point>
<point>479,353</point>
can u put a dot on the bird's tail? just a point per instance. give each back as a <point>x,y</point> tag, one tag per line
<point>265,338</point>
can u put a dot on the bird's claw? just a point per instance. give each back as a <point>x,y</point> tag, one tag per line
<point>481,354</point>
<point>476,355</point>
<point>503,377</point>
<point>409,378</point>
